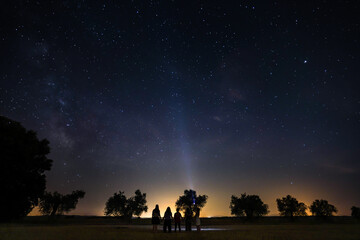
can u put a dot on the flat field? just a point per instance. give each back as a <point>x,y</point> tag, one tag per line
<point>248,231</point>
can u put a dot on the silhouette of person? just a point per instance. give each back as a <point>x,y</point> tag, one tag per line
<point>188,219</point>
<point>197,219</point>
<point>167,219</point>
<point>177,218</point>
<point>155,220</point>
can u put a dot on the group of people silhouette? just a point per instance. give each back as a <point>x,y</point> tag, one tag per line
<point>168,217</point>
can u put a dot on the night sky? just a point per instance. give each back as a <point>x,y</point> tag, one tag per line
<point>223,97</point>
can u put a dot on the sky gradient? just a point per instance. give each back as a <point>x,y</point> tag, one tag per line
<point>223,97</point>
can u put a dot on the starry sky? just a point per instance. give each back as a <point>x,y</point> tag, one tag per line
<point>224,97</point>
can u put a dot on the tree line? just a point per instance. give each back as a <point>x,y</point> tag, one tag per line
<point>248,206</point>
<point>23,182</point>
<point>252,206</point>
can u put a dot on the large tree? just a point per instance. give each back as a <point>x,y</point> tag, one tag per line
<point>57,204</point>
<point>321,208</point>
<point>290,207</point>
<point>22,166</point>
<point>191,200</point>
<point>119,205</point>
<point>249,205</point>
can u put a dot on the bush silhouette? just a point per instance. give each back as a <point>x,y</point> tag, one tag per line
<point>290,207</point>
<point>355,212</point>
<point>57,204</point>
<point>118,205</point>
<point>321,208</point>
<point>191,201</point>
<point>249,205</point>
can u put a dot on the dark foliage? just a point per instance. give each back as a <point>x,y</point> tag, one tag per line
<point>191,201</point>
<point>290,207</point>
<point>249,205</point>
<point>57,204</point>
<point>22,166</point>
<point>321,208</point>
<point>355,212</point>
<point>119,205</point>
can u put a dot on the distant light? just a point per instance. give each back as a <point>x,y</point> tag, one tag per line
<point>305,61</point>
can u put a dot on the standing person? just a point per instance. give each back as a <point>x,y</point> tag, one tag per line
<point>177,218</point>
<point>188,219</point>
<point>155,220</point>
<point>167,220</point>
<point>197,219</point>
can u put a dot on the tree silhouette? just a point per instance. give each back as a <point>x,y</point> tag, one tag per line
<point>290,207</point>
<point>57,204</point>
<point>191,201</point>
<point>138,203</point>
<point>355,212</point>
<point>321,208</point>
<point>119,205</point>
<point>249,205</point>
<point>22,166</point>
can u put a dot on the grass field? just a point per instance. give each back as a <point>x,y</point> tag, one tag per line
<point>289,231</point>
